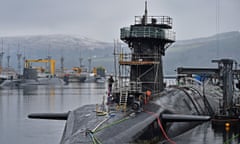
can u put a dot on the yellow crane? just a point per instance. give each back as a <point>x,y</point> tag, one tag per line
<point>50,61</point>
<point>77,69</point>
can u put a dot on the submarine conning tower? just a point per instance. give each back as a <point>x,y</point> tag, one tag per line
<point>148,40</point>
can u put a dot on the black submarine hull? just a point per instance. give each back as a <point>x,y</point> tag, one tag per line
<point>166,115</point>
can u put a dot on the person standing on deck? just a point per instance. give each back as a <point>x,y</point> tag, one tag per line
<point>110,82</point>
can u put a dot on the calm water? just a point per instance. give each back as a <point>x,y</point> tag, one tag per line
<point>205,134</point>
<point>16,104</point>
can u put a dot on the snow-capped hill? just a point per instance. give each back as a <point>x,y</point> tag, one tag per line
<point>56,41</point>
<point>71,47</point>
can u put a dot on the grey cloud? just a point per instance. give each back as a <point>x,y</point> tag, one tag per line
<point>102,19</point>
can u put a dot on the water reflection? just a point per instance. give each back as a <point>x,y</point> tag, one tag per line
<point>230,135</point>
<point>16,104</point>
<point>206,134</point>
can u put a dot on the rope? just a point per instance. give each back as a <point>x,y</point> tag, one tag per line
<point>94,139</point>
<point>232,138</point>
<point>100,124</point>
<point>114,123</point>
<point>161,127</point>
<point>189,96</point>
<point>209,107</point>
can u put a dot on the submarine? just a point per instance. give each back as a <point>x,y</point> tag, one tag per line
<point>139,108</point>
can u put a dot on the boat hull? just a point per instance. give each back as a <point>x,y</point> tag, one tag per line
<point>133,126</point>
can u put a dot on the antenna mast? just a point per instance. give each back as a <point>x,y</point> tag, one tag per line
<point>19,60</point>
<point>1,57</point>
<point>145,16</point>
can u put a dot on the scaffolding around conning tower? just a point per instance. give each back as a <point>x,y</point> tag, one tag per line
<point>140,70</point>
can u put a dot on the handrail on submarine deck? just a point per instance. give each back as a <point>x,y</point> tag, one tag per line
<point>132,86</point>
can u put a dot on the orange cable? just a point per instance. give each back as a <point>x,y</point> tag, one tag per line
<point>161,127</point>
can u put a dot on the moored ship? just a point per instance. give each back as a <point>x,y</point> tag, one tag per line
<point>142,110</point>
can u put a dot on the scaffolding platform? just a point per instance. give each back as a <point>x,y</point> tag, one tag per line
<point>138,62</point>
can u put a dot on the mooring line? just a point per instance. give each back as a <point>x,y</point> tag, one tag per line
<point>161,127</point>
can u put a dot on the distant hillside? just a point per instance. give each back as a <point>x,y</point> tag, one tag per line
<point>187,53</point>
<point>200,52</point>
<point>69,46</point>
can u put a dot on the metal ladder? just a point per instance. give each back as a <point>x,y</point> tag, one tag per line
<point>123,98</point>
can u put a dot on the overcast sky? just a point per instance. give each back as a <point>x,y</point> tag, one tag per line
<point>102,19</point>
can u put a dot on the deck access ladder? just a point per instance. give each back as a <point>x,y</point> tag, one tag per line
<point>123,98</point>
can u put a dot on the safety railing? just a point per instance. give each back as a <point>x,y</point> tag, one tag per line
<point>159,20</point>
<point>137,57</point>
<point>147,32</point>
<point>131,86</point>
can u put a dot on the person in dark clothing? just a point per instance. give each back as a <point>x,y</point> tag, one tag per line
<point>110,82</point>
